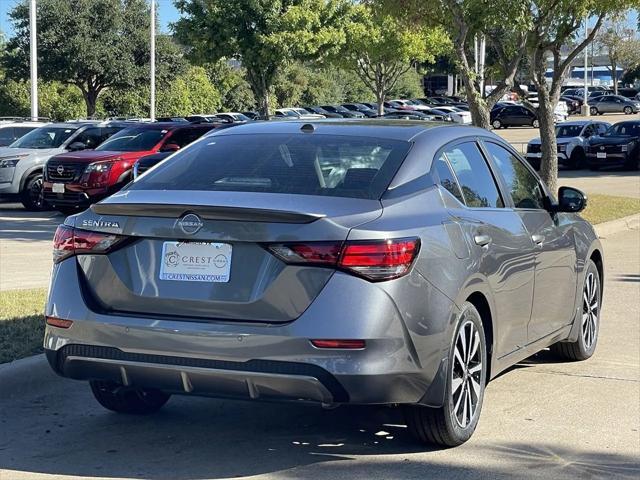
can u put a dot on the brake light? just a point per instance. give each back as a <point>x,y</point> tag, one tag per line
<point>69,241</point>
<point>380,260</point>
<point>375,260</point>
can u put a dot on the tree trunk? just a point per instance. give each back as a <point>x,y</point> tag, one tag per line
<point>91,100</point>
<point>549,161</point>
<point>264,104</point>
<point>380,102</point>
<point>614,76</point>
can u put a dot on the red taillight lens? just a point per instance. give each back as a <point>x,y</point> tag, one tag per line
<point>380,260</point>
<point>345,344</point>
<point>374,260</point>
<point>69,241</point>
<point>326,253</point>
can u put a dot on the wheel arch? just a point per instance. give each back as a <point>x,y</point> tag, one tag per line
<point>480,301</point>
<point>27,174</point>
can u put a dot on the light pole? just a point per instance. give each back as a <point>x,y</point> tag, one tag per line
<point>33,59</point>
<point>585,105</point>
<point>152,107</point>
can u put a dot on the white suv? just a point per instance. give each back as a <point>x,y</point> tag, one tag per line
<point>11,130</point>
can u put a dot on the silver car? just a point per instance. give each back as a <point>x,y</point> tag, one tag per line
<point>335,262</point>
<point>613,104</point>
<point>22,162</point>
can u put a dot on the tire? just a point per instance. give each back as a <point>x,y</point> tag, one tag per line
<point>593,110</point>
<point>449,426</point>
<point>578,158</point>
<point>497,124</point>
<point>536,123</point>
<point>584,347</point>
<point>133,401</point>
<point>31,195</point>
<point>628,110</point>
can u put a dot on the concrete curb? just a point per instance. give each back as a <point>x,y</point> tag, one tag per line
<point>632,222</point>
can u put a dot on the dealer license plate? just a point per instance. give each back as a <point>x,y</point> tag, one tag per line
<point>601,155</point>
<point>58,188</point>
<point>196,262</point>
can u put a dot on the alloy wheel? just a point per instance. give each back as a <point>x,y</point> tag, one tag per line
<point>590,311</point>
<point>466,386</point>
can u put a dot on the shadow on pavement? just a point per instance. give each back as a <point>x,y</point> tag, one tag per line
<point>196,438</point>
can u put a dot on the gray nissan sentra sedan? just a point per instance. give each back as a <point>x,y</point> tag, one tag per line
<point>331,261</point>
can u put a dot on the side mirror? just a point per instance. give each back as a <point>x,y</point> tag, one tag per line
<point>571,200</point>
<point>77,146</point>
<point>170,147</point>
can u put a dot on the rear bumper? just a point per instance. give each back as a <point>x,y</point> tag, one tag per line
<point>401,363</point>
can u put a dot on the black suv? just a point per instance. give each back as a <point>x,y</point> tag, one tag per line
<point>620,145</point>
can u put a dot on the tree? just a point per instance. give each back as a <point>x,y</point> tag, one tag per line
<point>503,23</point>
<point>620,44</point>
<point>92,44</point>
<point>264,36</point>
<point>190,93</point>
<point>556,34</point>
<point>230,81</point>
<point>380,48</point>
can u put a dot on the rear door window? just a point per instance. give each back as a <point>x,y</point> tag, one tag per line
<point>6,136</point>
<point>523,186</point>
<point>305,164</point>
<point>479,188</point>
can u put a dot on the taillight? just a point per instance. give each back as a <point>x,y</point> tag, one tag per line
<point>375,260</point>
<point>69,241</point>
<point>342,344</point>
<point>380,260</point>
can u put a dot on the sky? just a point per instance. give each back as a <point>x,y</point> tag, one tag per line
<point>167,13</point>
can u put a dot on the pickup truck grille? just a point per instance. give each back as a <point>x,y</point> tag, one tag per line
<point>58,171</point>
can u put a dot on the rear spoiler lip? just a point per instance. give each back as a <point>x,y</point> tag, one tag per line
<point>207,212</point>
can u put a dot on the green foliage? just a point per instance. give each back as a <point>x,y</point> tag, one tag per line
<point>264,36</point>
<point>92,44</point>
<point>190,93</point>
<point>56,100</point>
<point>380,48</point>
<point>409,85</point>
<point>230,81</point>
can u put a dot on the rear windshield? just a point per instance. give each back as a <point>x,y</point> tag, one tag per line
<point>134,140</point>
<point>305,164</point>
<point>44,137</point>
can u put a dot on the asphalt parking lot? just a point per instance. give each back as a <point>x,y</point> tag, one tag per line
<point>541,419</point>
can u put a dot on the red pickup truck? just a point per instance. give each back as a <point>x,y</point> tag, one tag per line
<point>74,180</point>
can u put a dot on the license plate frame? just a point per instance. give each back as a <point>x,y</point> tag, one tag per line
<point>208,262</point>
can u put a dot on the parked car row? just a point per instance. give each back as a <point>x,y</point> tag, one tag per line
<point>72,164</point>
<point>593,144</point>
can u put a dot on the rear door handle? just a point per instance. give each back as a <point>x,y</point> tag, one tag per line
<point>537,239</point>
<point>482,240</point>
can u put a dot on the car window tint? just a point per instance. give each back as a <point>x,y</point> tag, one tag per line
<point>478,186</point>
<point>185,136</point>
<point>6,135</point>
<point>523,186</point>
<point>447,179</point>
<point>331,165</point>
<point>91,137</point>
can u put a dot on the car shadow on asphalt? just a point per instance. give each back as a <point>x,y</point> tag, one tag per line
<point>58,429</point>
